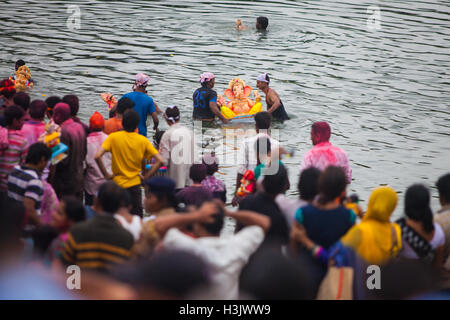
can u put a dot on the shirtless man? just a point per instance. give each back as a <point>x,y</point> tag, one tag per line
<point>274,105</point>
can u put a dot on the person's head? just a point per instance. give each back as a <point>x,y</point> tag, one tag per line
<point>141,82</point>
<point>417,206</point>
<point>157,138</point>
<point>42,237</point>
<point>109,197</point>
<point>38,156</point>
<point>172,115</point>
<point>197,172</point>
<point>308,184</point>
<point>332,184</point>
<point>72,101</point>
<point>263,149</point>
<point>211,163</point>
<point>51,103</point>
<point>22,99</point>
<point>124,104</point>
<point>61,113</point>
<point>96,122</point>
<point>160,194</point>
<point>263,120</point>
<point>271,275</point>
<point>382,203</point>
<point>19,63</point>
<point>37,109</point>
<point>320,132</point>
<point>70,211</point>
<point>7,89</point>
<point>207,79</point>
<point>14,117</point>
<point>262,82</point>
<point>167,274</point>
<point>130,121</point>
<point>212,229</point>
<point>262,23</point>
<point>275,184</point>
<point>443,186</point>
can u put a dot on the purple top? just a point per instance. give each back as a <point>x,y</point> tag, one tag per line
<point>216,186</point>
<point>194,195</point>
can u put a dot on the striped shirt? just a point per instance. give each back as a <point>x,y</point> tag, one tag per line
<point>98,244</point>
<point>24,182</point>
<point>14,155</point>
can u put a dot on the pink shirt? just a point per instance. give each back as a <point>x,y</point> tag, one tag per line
<point>93,176</point>
<point>32,130</point>
<point>325,154</point>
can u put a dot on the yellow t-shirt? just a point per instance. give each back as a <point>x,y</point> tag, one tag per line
<point>128,149</point>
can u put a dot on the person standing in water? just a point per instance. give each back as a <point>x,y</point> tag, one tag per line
<point>274,105</point>
<point>205,100</point>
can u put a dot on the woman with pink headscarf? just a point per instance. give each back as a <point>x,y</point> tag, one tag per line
<point>68,175</point>
<point>324,154</point>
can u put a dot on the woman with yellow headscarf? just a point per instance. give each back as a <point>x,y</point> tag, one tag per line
<point>376,239</point>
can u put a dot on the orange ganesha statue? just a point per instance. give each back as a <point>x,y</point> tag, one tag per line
<point>238,94</point>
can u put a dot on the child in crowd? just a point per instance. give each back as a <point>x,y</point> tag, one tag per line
<point>196,193</point>
<point>216,186</point>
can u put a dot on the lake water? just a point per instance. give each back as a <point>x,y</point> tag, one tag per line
<point>385,92</point>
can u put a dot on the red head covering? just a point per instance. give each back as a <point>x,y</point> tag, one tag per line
<point>7,88</point>
<point>61,112</point>
<point>96,121</point>
<point>320,132</point>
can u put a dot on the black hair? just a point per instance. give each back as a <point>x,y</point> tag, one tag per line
<point>42,238</point>
<point>13,112</point>
<point>263,22</point>
<point>72,101</point>
<point>417,206</point>
<point>308,183</point>
<point>37,109</point>
<point>22,99</point>
<point>157,137</point>
<point>19,63</point>
<point>197,172</point>
<point>130,120</point>
<point>443,186</point>
<point>274,184</point>
<point>109,197</point>
<point>36,152</point>
<point>170,197</point>
<point>216,226</point>
<point>263,120</point>
<point>332,182</point>
<point>211,168</point>
<point>74,208</point>
<point>263,148</point>
<point>125,199</point>
<point>173,112</point>
<point>124,104</point>
<point>51,102</point>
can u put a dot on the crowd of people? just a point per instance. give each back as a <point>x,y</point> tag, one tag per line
<point>88,210</point>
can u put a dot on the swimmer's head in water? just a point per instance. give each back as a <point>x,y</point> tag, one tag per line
<point>19,63</point>
<point>262,23</point>
<point>239,22</point>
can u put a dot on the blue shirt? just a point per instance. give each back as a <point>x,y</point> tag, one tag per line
<point>202,97</point>
<point>144,106</point>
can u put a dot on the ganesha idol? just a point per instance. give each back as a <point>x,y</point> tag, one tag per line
<point>239,104</point>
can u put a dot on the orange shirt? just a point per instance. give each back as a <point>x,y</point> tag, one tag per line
<point>112,125</point>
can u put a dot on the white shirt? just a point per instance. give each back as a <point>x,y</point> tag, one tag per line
<point>289,207</point>
<point>437,241</point>
<point>134,227</point>
<point>225,256</point>
<point>247,154</point>
<point>93,176</point>
<point>178,153</point>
